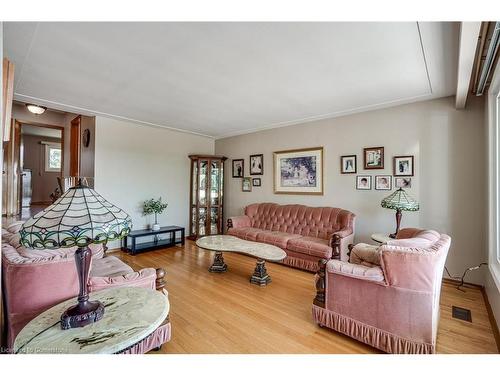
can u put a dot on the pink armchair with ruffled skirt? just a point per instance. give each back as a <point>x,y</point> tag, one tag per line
<point>35,280</point>
<point>387,296</point>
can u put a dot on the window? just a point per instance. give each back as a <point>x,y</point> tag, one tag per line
<point>53,157</point>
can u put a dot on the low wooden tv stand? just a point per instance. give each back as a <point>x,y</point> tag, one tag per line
<point>156,243</point>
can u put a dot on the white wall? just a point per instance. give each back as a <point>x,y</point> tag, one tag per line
<point>449,181</point>
<point>136,162</point>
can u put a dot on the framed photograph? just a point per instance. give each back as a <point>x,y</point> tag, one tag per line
<point>383,182</point>
<point>246,184</point>
<point>238,168</point>
<point>403,165</point>
<point>374,157</point>
<point>298,171</point>
<point>256,181</point>
<point>348,164</point>
<point>257,164</point>
<point>364,182</point>
<point>402,182</point>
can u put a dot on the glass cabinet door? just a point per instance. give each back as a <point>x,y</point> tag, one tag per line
<point>214,183</point>
<point>203,177</point>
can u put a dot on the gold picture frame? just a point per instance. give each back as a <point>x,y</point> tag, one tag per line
<point>298,171</point>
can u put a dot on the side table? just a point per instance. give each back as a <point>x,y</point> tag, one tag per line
<point>381,238</point>
<point>130,315</point>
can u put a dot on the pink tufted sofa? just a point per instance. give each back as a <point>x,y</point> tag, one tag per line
<point>35,280</point>
<point>388,295</point>
<point>307,234</point>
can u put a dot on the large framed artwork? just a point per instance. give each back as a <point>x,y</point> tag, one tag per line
<point>299,171</point>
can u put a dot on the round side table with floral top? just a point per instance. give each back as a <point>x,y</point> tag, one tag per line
<point>381,238</point>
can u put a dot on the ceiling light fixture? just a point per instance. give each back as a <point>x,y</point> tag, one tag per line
<point>36,109</point>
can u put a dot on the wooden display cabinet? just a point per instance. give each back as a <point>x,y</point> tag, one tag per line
<point>206,195</point>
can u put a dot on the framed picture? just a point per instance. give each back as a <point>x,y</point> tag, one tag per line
<point>256,181</point>
<point>374,157</point>
<point>298,171</point>
<point>238,168</point>
<point>257,164</point>
<point>402,182</point>
<point>246,184</point>
<point>364,182</point>
<point>403,165</point>
<point>348,164</point>
<point>383,182</point>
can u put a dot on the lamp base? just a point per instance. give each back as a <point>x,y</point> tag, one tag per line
<point>80,315</point>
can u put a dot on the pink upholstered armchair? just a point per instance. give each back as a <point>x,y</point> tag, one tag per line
<point>388,295</point>
<point>35,280</point>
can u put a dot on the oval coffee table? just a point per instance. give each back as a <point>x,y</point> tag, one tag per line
<point>130,315</point>
<point>226,243</point>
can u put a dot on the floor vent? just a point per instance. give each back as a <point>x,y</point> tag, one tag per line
<point>461,313</point>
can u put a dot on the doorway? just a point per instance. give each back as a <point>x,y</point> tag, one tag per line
<point>41,164</point>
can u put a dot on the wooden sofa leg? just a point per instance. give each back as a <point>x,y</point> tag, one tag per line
<point>319,300</point>
<point>160,281</point>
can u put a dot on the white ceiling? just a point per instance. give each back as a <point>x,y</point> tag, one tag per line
<point>222,79</point>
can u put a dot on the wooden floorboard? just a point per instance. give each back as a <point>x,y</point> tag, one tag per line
<point>224,313</point>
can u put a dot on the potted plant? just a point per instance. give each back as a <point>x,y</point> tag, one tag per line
<point>154,206</point>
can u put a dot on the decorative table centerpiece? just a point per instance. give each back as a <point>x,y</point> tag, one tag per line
<point>154,206</point>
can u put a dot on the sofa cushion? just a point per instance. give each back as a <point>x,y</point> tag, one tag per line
<point>15,227</point>
<point>357,271</point>
<point>109,267</point>
<point>247,233</point>
<point>311,246</point>
<point>279,239</point>
<point>6,235</point>
<point>365,254</point>
<point>421,240</point>
<point>29,253</point>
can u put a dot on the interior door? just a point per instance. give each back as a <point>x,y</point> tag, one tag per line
<point>74,147</point>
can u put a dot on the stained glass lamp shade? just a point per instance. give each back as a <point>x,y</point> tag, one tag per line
<point>400,201</point>
<point>78,218</point>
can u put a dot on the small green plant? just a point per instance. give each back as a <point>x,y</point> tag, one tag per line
<point>154,206</point>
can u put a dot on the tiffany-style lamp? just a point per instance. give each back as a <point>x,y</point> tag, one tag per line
<point>78,218</point>
<point>399,201</point>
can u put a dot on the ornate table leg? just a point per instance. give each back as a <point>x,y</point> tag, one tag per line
<point>260,276</point>
<point>218,264</point>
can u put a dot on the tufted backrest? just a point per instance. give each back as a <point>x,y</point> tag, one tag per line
<point>318,222</point>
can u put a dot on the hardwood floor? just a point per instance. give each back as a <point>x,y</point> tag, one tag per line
<point>224,313</point>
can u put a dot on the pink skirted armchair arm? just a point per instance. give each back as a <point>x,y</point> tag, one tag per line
<point>239,222</point>
<point>145,278</point>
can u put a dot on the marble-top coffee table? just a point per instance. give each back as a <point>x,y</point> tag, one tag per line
<point>130,315</point>
<point>226,243</point>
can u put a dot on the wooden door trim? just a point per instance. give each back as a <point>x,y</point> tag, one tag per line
<point>74,149</point>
